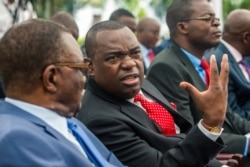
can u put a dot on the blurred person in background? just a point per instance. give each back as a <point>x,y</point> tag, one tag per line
<point>13,12</point>
<point>147,33</point>
<point>124,17</point>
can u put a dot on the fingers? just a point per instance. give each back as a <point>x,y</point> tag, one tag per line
<point>192,91</point>
<point>224,71</point>
<point>214,77</point>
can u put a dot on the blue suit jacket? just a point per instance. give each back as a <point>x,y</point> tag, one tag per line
<point>238,86</point>
<point>27,141</point>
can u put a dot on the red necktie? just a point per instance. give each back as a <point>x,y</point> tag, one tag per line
<point>159,114</point>
<point>151,55</point>
<point>205,66</point>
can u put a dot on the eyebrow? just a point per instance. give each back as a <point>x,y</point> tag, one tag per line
<point>121,52</point>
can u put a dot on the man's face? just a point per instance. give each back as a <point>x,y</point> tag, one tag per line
<point>130,22</point>
<point>71,81</point>
<point>117,65</point>
<point>203,29</point>
<point>149,36</point>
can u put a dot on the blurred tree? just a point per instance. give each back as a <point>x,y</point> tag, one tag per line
<point>45,8</point>
<point>229,5</point>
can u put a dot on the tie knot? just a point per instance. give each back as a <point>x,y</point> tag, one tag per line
<point>139,98</point>
<point>204,64</point>
<point>71,125</point>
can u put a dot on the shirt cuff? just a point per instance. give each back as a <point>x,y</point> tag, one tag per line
<point>246,145</point>
<point>210,135</point>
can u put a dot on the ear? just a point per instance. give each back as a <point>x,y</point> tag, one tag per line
<point>90,67</point>
<point>49,78</point>
<point>182,27</point>
<point>246,37</point>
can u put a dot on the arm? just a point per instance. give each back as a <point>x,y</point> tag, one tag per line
<point>133,150</point>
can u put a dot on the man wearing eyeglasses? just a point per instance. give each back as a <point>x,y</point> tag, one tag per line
<point>194,29</point>
<point>42,70</point>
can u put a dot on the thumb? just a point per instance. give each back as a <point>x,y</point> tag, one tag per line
<point>192,91</point>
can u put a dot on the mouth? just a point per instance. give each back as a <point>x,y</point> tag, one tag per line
<point>130,80</point>
<point>217,34</point>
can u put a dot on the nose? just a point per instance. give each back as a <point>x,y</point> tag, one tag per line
<point>128,62</point>
<point>216,22</point>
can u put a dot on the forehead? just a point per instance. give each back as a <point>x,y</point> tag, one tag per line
<point>72,47</point>
<point>120,40</point>
<point>201,7</point>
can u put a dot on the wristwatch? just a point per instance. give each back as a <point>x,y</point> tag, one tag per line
<point>214,129</point>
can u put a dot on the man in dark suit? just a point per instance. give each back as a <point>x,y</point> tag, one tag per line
<point>236,44</point>
<point>192,32</point>
<point>116,76</point>
<point>43,81</point>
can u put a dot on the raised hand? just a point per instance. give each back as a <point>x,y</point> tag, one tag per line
<point>212,102</point>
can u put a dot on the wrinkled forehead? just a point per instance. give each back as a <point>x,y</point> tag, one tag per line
<point>120,39</point>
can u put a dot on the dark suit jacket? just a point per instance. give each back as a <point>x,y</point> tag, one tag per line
<point>238,87</point>
<point>136,140</point>
<point>171,67</point>
<point>27,141</point>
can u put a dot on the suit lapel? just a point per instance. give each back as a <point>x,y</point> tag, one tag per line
<point>199,84</point>
<point>127,108</point>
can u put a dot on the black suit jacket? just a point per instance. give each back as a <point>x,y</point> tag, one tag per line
<point>136,140</point>
<point>238,87</point>
<point>171,67</point>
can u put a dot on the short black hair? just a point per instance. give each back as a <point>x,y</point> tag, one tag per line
<point>119,13</point>
<point>90,40</point>
<point>178,11</point>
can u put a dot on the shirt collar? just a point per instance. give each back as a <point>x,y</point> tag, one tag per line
<point>235,53</point>
<point>52,118</point>
<point>195,61</point>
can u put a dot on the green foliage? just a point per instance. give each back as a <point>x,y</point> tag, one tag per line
<point>229,5</point>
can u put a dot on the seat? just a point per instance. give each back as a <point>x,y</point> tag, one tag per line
<point>232,160</point>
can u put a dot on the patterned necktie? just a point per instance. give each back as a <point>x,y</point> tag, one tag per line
<point>205,66</point>
<point>159,114</point>
<point>246,66</point>
<point>151,55</point>
<point>93,154</point>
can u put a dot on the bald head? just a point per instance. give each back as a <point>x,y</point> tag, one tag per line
<point>237,22</point>
<point>148,30</point>
<point>237,30</point>
<point>145,22</point>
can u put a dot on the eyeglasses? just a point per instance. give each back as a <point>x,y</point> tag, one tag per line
<point>80,66</point>
<point>210,18</point>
